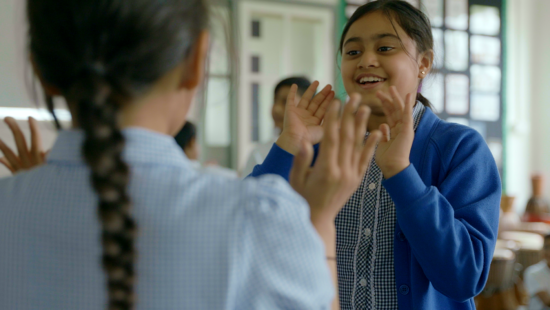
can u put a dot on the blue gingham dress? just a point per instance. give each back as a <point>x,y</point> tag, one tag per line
<point>365,233</point>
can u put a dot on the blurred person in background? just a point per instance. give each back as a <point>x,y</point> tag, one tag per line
<point>278,113</point>
<point>537,280</point>
<point>187,140</point>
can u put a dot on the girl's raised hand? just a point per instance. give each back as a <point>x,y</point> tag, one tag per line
<point>343,159</point>
<point>392,155</point>
<point>26,158</point>
<point>303,120</point>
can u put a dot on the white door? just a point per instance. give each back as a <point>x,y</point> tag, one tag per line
<point>278,41</point>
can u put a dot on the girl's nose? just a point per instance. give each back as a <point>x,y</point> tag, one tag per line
<point>369,60</point>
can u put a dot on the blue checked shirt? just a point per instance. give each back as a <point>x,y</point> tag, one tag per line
<point>365,231</point>
<point>204,242</point>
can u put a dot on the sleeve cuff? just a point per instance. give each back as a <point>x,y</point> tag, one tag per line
<point>278,161</point>
<point>406,186</point>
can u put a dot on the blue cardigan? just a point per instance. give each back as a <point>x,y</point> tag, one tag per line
<point>447,207</point>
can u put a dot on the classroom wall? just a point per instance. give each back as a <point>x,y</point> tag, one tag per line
<point>528,74</point>
<point>540,138</point>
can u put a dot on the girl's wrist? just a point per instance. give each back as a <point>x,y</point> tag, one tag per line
<point>288,143</point>
<point>391,171</point>
<point>327,232</point>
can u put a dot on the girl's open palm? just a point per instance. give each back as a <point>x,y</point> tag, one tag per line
<point>343,159</point>
<point>392,155</point>
<point>303,120</point>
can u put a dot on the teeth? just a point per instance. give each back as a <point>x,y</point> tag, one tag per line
<point>370,79</point>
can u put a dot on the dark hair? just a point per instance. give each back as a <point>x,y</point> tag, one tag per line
<point>186,134</point>
<point>413,21</point>
<point>302,83</point>
<point>100,54</point>
<point>546,237</point>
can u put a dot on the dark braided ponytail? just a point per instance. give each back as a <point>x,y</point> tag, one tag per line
<point>101,54</point>
<point>102,150</point>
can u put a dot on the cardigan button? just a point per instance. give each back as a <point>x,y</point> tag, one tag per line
<point>404,290</point>
<point>401,236</point>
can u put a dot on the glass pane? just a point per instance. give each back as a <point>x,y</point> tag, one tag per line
<point>457,14</point>
<point>255,64</point>
<point>219,58</point>
<point>480,127</point>
<point>217,112</point>
<point>439,48</point>
<point>458,93</point>
<point>456,50</point>
<point>255,28</point>
<point>433,88</point>
<point>459,120</point>
<point>434,10</point>
<point>495,146</point>
<point>485,50</point>
<point>255,112</point>
<point>485,107</point>
<point>485,78</point>
<point>303,38</point>
<point>484,20</point>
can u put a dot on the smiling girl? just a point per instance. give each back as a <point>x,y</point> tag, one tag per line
<point>419,232</point>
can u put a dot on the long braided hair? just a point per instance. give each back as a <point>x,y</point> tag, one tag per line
<point>100,54</point>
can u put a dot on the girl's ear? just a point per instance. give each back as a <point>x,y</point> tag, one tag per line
<point>425,64</point>
<point>49,89</point>
<point>196,62</point>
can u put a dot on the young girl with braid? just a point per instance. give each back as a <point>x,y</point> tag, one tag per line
<point>117,218</point>
<point>420,231</point>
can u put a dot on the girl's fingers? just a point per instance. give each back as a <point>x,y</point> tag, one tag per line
<point>301,166</point>
<point>409,106</point>
<point>387,107</point>
<point>308,94</point>
<point>12,159</point>
<point>36,142</point>
<point>347,141</point>
<point>328,152</point>
<point>368,151</point>
<point>398,102</point>
<point>386,132</point>
<point>5,162</point>
<point>291,98</point>
<point>361,118</point>
<point>20,141</point>
<point>320,113</point>
<point>319,99</point>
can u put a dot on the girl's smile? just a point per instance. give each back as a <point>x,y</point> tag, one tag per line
<point>369,80</point>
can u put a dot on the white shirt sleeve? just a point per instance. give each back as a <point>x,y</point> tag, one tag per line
<point>534,280</point>
<point>287,268</point>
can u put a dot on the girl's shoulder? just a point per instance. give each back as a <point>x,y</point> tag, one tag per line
<point>442,146</point>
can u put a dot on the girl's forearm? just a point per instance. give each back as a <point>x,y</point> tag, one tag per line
<point>327,232</point>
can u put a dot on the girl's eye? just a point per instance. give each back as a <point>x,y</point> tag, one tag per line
<point>385,49</point>
<point>353,53</point>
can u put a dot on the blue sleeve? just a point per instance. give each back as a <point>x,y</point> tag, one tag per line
<point>284,256</point>
<point>452,228</point>
<point>279,162</point>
